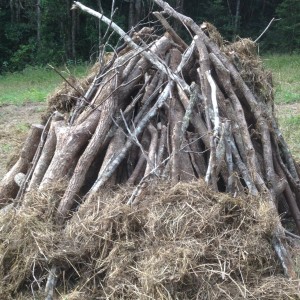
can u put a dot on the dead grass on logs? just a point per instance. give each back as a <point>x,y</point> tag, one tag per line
<point>180,242</point>
<point>243,53</point>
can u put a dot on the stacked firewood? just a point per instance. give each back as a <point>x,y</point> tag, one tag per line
<point>165,109</point>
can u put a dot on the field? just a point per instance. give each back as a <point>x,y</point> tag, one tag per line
<point>286,75</point>
<point>23,99</point>
<point>33,84</point>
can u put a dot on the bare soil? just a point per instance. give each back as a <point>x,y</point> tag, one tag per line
<point>15,121</point>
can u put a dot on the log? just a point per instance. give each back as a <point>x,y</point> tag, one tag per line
<point>8,186</point>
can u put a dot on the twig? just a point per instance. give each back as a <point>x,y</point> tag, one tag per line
<point>154,59</point>
<point>141,184</point>
<point>266,29</point>
<point>292,234</point>
<point>169,29</point>
<point>68,82</point>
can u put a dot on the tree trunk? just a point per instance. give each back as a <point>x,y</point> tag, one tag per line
<point>73,34</point>
<point>135,13</point>
<point>236,19</point>
<point>8,186</point>
<point>38,22</point>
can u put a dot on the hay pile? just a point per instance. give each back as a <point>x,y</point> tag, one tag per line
<point>179,242</point>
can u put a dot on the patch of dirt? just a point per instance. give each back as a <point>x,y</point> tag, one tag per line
<point>15,121</point>
<point>292,109</point>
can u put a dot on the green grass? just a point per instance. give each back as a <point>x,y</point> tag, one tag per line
<point>286,75</point>
<point>33,84</point>
<point>290,128</point>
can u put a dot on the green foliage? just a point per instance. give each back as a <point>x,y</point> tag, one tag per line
<point>284,35</point>
<point>215,12</point>
<point>288,28</point>
<point>67,35</point>
<point>23,56</point>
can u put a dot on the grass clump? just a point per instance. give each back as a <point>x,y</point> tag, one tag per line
<point>33,84</point>
<point>179,242</point>
<point>286,75</point>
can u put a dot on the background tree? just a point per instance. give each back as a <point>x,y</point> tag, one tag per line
<point>36,32</point>
<point>288,29</point>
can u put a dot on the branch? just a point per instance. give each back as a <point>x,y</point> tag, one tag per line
<point>51,283</point>
<point>169,29</point>
<point>266,29</point>
<point>154,59</point>
<point>138,130</point>
<point>214,102</point>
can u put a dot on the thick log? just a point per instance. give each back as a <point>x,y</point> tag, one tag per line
<point>8,186</point>
<point>112,102</point>
<point>46,156</point>
<point>151,164</point>
<point>70,142</point>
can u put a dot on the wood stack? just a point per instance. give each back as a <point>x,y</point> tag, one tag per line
<point>162,109</point>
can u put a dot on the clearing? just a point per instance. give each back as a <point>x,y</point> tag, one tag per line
<point>15,121</point>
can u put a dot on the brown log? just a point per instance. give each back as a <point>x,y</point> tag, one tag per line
<point>151,163</point>
<point>197,154</point>
<point>175,171</point>
<point>70,141</point>
<point>8,187</point>
<point>46,156</point>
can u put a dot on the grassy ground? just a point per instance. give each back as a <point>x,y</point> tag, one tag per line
<point>286,74</point>
<point>33,84</point>
<point>22,102</point>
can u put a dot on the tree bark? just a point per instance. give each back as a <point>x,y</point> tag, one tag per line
<point>38,22</point>
<point>8,186</point>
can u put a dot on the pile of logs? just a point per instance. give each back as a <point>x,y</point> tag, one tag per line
<point>162,109</point>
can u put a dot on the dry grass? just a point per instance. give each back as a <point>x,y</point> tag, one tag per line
<point>180,242</point>
<point>244,55</point>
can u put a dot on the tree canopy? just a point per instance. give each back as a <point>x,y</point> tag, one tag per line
<point>35,32</point>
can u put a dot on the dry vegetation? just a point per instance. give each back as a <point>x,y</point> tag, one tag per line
<point>179,238</point>
<point>180,242</point>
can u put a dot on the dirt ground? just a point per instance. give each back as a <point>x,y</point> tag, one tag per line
<point>15,122</point>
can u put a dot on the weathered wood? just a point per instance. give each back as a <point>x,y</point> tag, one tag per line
<point>46,156</point>
<point>164,109</point>
<point>8,186</point>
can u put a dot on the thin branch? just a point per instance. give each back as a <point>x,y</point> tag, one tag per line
<point>273,20</point>
<point>154,59</point>
<point>292,234</point>
<point>68,82</point>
